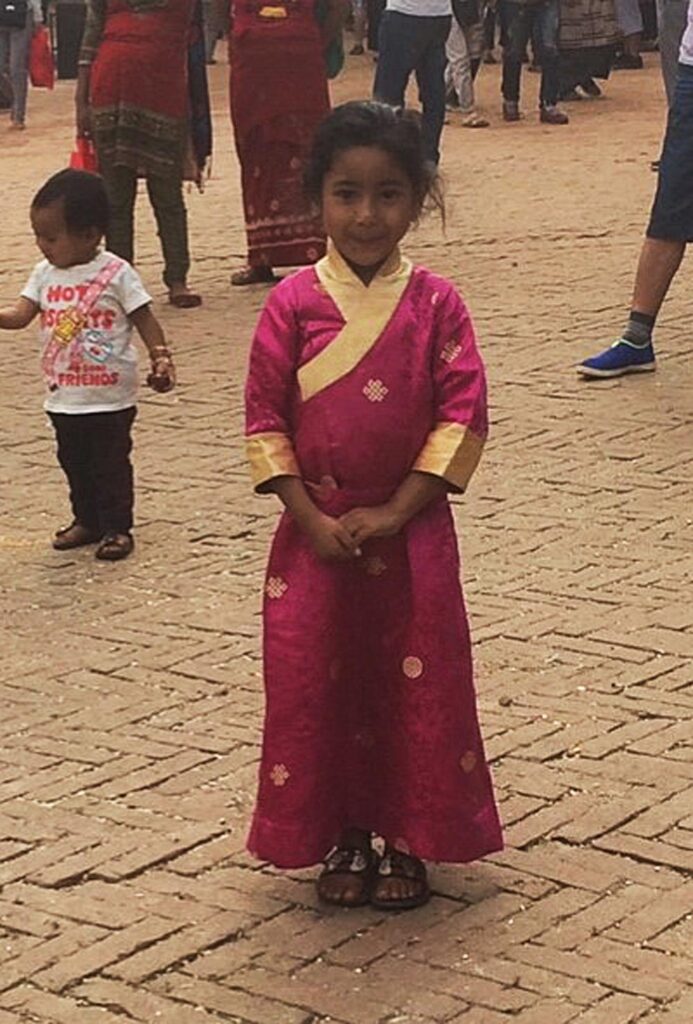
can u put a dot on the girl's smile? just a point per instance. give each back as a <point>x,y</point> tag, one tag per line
<point>368,205</point>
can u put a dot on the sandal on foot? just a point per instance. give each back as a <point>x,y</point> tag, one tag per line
<point>253,275</point>
<point>185,299</point>
<point>474,120</point>
<point>74,536</point>
<point>401,866</point>
<point>355,865</point>
<point>115,546</point>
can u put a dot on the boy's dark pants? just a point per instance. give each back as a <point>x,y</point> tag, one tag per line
<point>94,452</point>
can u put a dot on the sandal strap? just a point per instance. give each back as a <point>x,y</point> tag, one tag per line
<point>402,865</point>
<point>347,860</point>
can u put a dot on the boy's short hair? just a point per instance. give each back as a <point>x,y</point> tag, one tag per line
<point>85,202</point>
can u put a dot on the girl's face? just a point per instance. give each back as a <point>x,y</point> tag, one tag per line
<point>368,205</point>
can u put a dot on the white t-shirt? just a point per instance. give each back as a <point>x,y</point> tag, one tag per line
<point>421,8</point>
<point>686,52</point>
<point>97,370</point>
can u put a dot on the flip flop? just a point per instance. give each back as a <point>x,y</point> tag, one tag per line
<point>253,275</point>
<point>474,121</point>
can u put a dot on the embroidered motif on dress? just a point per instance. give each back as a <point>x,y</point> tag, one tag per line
<point>412,667</point>
<point>280,775</point>
<point>375,391</point>
<point>451,351</point>
<point>276,587</point>
<point>468,762</point>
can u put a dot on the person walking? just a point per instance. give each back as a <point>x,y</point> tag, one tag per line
<point>279,96</point>
<point>413,34</point>
<point>142,98</point>
<point>15,44</point>
<point>521,18</point>
<point>464,50</point>
<point>669,231</point>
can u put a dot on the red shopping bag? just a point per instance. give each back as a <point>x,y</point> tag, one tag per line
<point>84,156</point>
<point>41,66</point>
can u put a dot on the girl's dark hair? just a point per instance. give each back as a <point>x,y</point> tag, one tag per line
<point>85,203</point>
<point>368,123</point>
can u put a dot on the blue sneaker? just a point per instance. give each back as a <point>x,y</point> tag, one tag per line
<point>622,357</point>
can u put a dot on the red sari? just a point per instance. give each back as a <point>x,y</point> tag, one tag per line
<point>278,97</point>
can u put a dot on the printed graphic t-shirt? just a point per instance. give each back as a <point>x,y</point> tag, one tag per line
<point>95,370</point>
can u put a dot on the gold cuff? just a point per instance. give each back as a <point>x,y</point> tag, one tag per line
<point>452,452</point>
<point>270,455</point>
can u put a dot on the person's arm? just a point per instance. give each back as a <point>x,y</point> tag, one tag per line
<point>329,538</point>
<point>91,40</point>
<point>163,375</point>
<point>19,315</point>
<point>269,431</point>
<point>453,447</point>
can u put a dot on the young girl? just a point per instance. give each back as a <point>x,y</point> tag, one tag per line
<point>89,302</point>
<point>366,405</point>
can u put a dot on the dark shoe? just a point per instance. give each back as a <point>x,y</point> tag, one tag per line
<point>489,57</point>
<point>115,546</point>
<point>590,87</point>
<point>404,867</point>
<point>74,536</point>
<point>511,110</point>
<point>355,867</point>
<point>628,62</point>
<point>356,51</point>
<point>552,115</point>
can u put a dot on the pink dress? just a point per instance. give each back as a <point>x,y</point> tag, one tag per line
<point>371,715</point>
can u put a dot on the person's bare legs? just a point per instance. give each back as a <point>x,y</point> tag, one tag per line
<point>659,260</point>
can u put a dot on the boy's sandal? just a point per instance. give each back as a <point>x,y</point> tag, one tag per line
<point>350,864</point>
<point>115,546</point>
<point>74,536</point>
<point>253,275</point>
<point>400,866</point>
<point>185,299</point>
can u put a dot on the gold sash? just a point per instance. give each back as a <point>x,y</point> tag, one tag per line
<point>367,309</point>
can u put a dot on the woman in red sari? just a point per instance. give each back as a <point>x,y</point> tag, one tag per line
<point>278,97</point>
<point>136,67</point>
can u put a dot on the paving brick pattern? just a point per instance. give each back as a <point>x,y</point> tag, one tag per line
<point>131,694</point>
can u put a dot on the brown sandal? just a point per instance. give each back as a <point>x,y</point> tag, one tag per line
<point>184,298</point>
<point>357,864</point>
<point>396,864</point>
<point>115,546</point>
<point>253,275</point>
<point>74,536</point>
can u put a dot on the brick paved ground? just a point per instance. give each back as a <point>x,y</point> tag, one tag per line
<point>131,694</point>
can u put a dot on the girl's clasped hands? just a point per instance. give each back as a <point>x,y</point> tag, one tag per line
<point>340,539</point>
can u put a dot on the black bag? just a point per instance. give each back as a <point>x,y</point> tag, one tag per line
<point>466,12</point>
<point>13,13</point>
